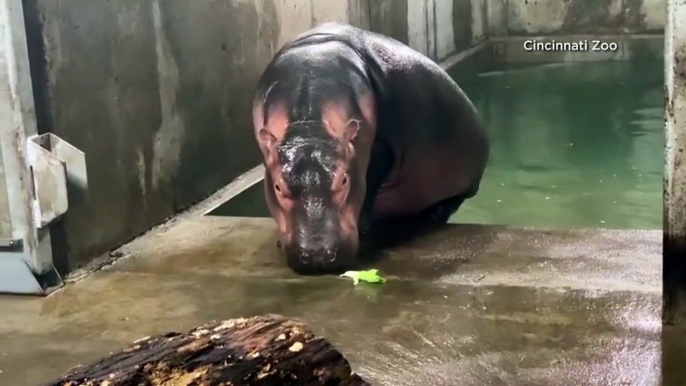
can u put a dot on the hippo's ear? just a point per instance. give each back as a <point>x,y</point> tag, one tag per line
<point>267,140</point>
<point>350,131</point>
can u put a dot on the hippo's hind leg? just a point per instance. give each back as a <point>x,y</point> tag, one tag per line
<point>388,232</point>
<point>440,212</point>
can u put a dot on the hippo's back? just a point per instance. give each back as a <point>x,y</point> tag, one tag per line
<point>439,142</point>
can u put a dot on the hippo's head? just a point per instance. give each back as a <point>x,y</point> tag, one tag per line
<point>315,185</point>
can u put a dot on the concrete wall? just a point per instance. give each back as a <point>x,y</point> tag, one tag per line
<point>157,92</point>
<point>674,257</point>
<point>556,17</point>
<point>436,28</point>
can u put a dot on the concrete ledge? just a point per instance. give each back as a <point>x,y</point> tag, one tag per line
<point>462,56</point>
<point>605,260</point>
<point>467,63</point>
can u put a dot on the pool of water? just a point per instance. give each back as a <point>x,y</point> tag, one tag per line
<point>573,145</point>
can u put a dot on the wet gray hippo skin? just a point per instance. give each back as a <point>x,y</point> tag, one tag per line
<point>357,128</point>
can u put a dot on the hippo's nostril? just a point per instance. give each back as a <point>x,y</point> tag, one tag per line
<point>279,244</point>
<point>330,255</point>
<point>304,258</point>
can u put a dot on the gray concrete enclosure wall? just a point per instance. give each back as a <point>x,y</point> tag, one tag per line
<point>436,28</point>
<point>559,17</point>
<point>157,92</point>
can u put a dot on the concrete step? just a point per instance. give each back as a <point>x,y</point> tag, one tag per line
<point>623,260</point>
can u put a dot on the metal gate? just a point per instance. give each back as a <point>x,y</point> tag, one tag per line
<point>39,174</point>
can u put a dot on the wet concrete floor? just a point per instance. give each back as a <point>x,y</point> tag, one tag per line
<point>466,305</point>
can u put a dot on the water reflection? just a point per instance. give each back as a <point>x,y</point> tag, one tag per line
<point>577,145</point>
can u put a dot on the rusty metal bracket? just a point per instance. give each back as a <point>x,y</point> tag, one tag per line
<point>49,185</point>
<point>74,160</point>
<point>58,168</point>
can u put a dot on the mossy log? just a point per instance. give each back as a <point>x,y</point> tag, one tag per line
<point>263,350</point>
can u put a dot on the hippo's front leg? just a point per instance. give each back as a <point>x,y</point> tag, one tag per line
<point>380,166</point>
<point>364,225</point>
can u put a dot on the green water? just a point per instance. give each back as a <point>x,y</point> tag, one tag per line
<point>575,145</point>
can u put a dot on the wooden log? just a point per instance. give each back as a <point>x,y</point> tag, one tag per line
<point>263,350</point>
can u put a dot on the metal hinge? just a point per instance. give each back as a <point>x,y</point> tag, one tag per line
<point>10,244</point>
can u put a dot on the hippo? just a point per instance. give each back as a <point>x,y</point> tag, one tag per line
<point>357,129</point>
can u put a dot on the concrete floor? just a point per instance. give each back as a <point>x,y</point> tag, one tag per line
<point>466,305</point>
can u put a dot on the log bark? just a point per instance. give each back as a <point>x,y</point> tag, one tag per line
<point>263,350</point>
